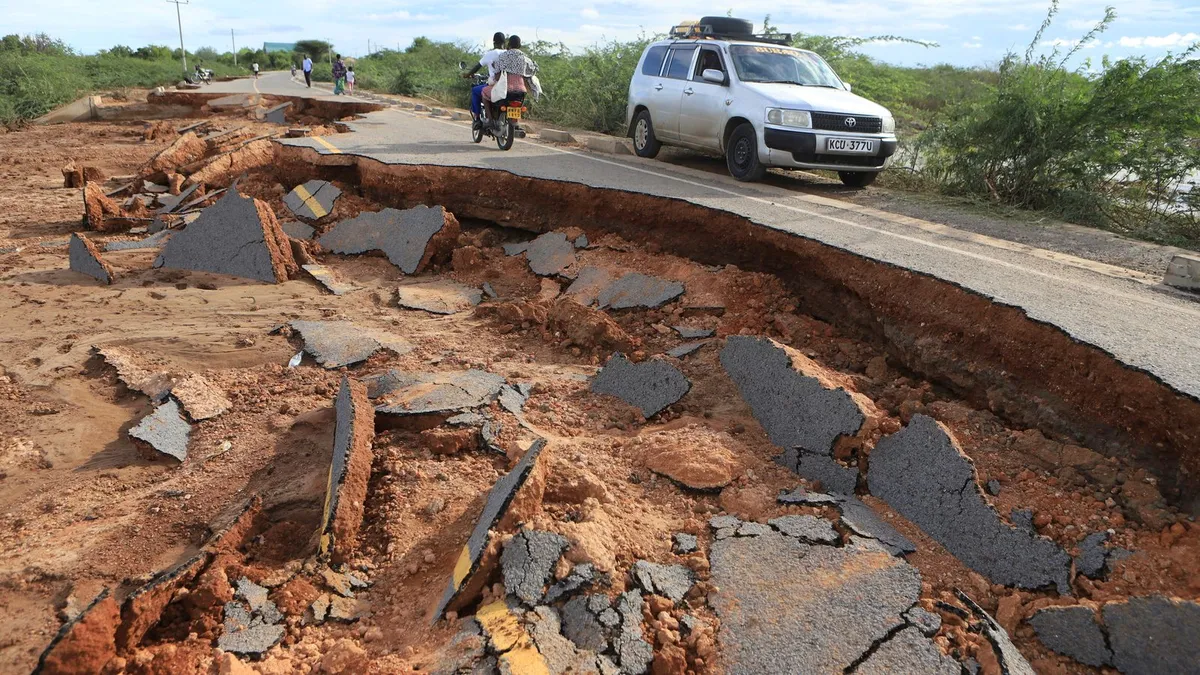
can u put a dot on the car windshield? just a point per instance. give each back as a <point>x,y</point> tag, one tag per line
<point>780,64</point>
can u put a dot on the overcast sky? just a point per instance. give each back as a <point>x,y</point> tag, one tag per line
<point>969,32</point>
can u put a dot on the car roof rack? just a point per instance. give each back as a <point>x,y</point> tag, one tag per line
<point>696,31</point>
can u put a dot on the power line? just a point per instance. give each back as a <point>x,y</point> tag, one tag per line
<point>179,18</point>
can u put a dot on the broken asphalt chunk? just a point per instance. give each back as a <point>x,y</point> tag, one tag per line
<point>88,640</point>
<point>908,652</point>
<point>1074,632</point>
<point>251,640</point>
<point>776,619</point>
<point>1153,635</point>
<point>683,543</point>
<point>651,385</point>
<point>1093,555</point>
<point>409,239</point>
<point>328,279</point>
<point>582,625</point>
<point>442,296</point>
<point>312,201</point>
<point>341,343</point>
<point>153,241</point>
<point>685,349</point>
<point>923,620</point>
<point>238,236</point>
<point>670,581</point>
<point>922,474</point>
<point>517,651</point>
<point>863,521</point>
<point>165,430</point>
<point>634,653</point>
<point>85,259</point>
<point>1010,658</point>
<point>582,575</point>
<point>638,290</point>
<point>528,561</point>
<point>400,393</point>
<point>349,470</point>
<point>806,528</point>
<point>550,254</point>
<point>496,505</point>
<point>688,333</point>
<point>298,230</point>
<point>802,406</point>
<point>807,498</point>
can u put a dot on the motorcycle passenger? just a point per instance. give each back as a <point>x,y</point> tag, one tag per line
<point>516,68</point>
<point>488,60</point>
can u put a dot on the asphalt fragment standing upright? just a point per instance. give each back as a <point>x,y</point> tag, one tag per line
<point>85,258</point>
<point>165,430</point>
<point>349,470</point>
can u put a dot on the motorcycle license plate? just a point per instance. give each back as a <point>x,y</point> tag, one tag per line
<point>514,113</point>
<point>850,146</point>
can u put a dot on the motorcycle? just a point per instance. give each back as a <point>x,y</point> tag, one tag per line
<point>506,127</point>
<point>202,76</point>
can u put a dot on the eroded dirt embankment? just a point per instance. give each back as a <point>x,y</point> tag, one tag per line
<point>1030,373</point>
<point>325,110</point>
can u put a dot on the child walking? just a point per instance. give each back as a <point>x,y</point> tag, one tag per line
<point>350,79</point>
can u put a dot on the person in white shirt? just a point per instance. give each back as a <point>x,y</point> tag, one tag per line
<point>307,66</point>
<point>254,67</point>
<point>488,61</point>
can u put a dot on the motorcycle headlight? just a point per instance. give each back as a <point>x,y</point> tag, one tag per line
<point>800,119</point>
<point>889,124</point>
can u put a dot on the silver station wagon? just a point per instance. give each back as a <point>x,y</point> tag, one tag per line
<point>714,86</point>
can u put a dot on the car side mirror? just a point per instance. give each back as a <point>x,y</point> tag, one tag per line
<point>713,75</point>
<point>462,65</point>
<point>846,85</point>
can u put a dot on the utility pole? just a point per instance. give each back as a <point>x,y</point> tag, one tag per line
<point>233,43</point>
<point>179,18</point>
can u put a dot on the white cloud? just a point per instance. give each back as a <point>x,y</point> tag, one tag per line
<point>1019,26</point>
<point>589,13</point>
<point>1069,44</point>
<point>972,45</point>
<point>1160,42</point>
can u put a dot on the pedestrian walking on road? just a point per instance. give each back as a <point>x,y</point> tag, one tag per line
<point>254,68</point>
<point>339,76</point>
<point>307,66</point>
<point>350,79</point>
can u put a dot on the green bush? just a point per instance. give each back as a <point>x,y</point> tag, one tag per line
<point>1107,147</point>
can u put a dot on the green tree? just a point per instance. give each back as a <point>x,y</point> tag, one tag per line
<point>315,49</point>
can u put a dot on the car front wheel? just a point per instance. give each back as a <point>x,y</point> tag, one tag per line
<point>644,141</point>
<point>858,179</point>
<point>742,154</point>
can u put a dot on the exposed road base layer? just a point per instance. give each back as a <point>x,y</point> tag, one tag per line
<point>988,353</point>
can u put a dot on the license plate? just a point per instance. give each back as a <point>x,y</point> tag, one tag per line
<point>514,113</point>
<point>850,146</point>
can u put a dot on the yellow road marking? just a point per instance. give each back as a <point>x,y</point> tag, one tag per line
<point>462,567</point>
<point>509,637</point>
<point>328,146</point>
<point>311,202</point>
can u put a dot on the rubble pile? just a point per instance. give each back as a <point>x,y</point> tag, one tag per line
<point>469,450</point>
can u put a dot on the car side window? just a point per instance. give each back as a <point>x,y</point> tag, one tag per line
<point>654,60</point>
<point>679,63</point>
<point>709,59</point>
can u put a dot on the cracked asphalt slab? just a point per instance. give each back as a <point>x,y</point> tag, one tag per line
<point>335,344</point>
<point>920,472</point>
<point>165,430</point>
<point>85,259</point>
<point>313,200</point>
<point>828,606</point>
<point>1074,632</point>
<point>1151,330</point>
<point>650,386</point>
<point>403,236</point>
<point>401,393</point>
<point>229,237</point>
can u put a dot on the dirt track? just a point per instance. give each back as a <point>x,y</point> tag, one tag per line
<point>83,508</point>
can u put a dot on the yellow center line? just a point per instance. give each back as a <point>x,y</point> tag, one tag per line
<point>328,146</point>
<point>311,202</point>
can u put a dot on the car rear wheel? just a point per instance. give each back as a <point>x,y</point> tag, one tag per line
<point>858,179</point>
<point>742,154</point>
<point>644,142</point>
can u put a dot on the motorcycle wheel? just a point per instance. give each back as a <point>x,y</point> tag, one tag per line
<point>508,131</point>
<point>477,131</point>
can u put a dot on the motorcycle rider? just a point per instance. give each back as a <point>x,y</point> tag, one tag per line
<point>488,60</point>
<point>516,68</point>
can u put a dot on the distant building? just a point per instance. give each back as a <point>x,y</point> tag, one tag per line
<point>279,46</point>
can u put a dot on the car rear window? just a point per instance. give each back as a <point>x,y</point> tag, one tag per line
<point>680,62</point>
<point>654,60</point>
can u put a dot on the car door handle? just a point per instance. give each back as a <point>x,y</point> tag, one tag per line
<point>658,87</point>
<point>688,91</point>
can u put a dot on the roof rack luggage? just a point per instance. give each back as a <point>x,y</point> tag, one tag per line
<point>726,28</point>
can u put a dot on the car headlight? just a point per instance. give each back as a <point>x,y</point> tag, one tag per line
<point>800,119</point>
<point>889,124</point>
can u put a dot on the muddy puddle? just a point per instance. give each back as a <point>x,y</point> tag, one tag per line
<point>580,431</point>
